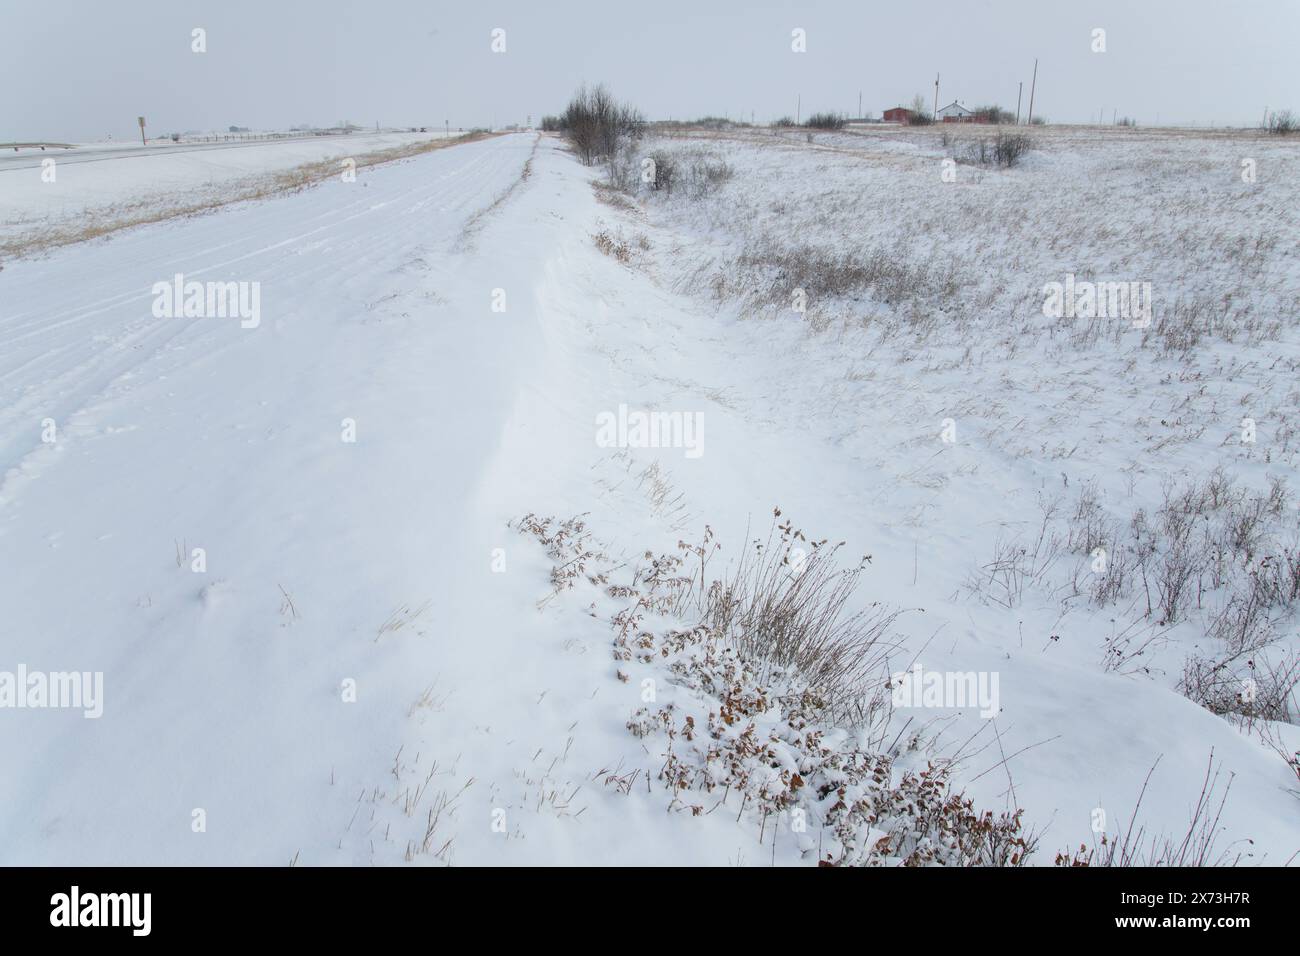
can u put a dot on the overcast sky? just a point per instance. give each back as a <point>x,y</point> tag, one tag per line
<point>84,69</point>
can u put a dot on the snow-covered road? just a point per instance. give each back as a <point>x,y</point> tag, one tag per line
<point>201,433</point>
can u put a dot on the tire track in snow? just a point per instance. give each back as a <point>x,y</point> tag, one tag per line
<point>477,222</point>
<point>66,381</point>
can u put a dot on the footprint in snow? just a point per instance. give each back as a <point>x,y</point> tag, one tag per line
<point>213,594</point>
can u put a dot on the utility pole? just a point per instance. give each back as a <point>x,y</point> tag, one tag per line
<point>1033,85</point>
<point>1019,94</point>
<point>859,104</point>
<point>798,110</point>
<point>936,97</point>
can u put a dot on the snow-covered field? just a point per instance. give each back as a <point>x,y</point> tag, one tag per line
<point>58,192</point>
<point>293,539</point>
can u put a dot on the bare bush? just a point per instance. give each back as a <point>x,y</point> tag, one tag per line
<point>1255,690</point>
<point>1214,555</point>
<point>1174,570</point>
<point>1004,150</point>
<point>994,114</point>
<point>663,171</point>
<point>1126,647</point>
<point>624,171</point>
<point>1008,148</point>
<point>1089,527</point>
<point>1207,537</point>
<point>1283,123</point>
<point>824,121</point>
<point>917,114</point>
<point>596,125</point>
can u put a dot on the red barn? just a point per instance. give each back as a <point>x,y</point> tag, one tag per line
<point>898,114</point>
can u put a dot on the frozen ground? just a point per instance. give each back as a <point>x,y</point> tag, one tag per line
<point>453,313</point>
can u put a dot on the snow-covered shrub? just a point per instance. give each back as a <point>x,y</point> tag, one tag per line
<point>693,173</point>
<point>751,658</point>
<point>824,121</point>
<point>763,742</point>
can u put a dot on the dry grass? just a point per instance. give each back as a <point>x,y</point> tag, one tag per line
<point>611,195</point>
<point>1197,847</point>
<point>612,245</point>
<point>768,271</point>
<point>785,605</point>
<point>1214,556</point>
<point>889,233</point>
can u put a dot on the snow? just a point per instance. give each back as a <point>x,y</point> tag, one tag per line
<point>104,179</point>
<point>486,708</point>
<point>1035,417</point>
